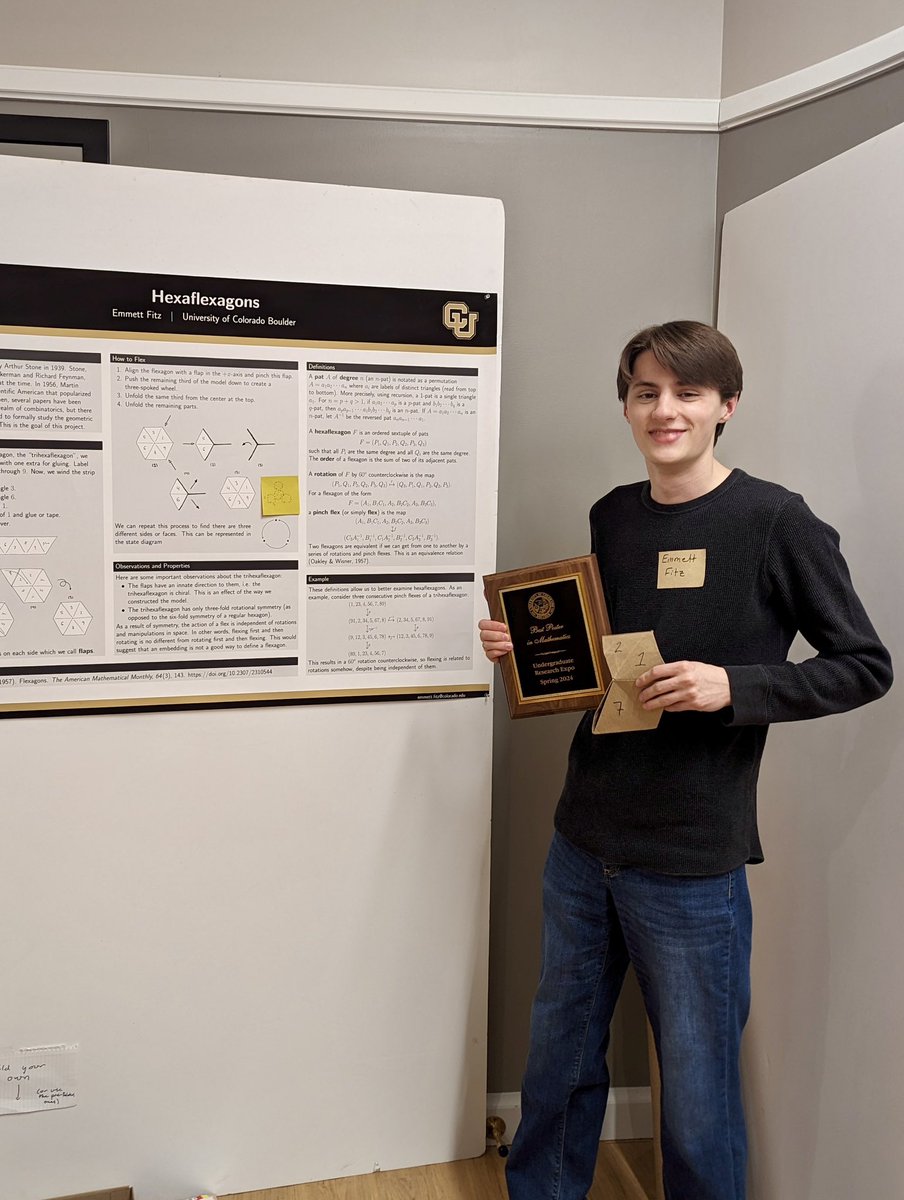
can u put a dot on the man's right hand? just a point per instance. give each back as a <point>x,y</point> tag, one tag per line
<point>494,637</point>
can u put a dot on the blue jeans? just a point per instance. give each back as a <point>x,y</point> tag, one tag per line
<point>688,938</point>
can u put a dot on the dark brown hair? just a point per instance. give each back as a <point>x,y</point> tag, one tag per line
<point>697,353</point>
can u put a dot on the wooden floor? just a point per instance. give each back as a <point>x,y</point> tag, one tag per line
<point>624,1171</point>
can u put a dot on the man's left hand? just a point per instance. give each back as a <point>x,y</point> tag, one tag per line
<point>685,687</point>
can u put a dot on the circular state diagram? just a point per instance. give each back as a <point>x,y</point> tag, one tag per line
<point>276,534</point>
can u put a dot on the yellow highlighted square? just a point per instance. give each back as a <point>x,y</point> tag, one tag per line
<point>279,496</point>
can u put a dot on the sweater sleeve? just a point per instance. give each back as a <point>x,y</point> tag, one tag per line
<point>811,582</point>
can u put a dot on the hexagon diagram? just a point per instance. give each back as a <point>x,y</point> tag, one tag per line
<point>72,618</point>
<point>25,545</point>
<point>204,444</point>
<point>179,493</point>
<point>154,442</point>
<point>30,584</point>
<point>6,620</point>
<point>238,492</point>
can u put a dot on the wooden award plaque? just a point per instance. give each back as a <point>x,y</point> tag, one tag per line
<point>556,616</point>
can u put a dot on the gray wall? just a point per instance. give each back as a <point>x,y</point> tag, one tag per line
<point>760,156</point>
<point>586,47</point>
<point>766,39</point>
<point>605,232</point>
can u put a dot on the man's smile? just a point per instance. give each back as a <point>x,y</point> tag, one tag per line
<point>666,436</point>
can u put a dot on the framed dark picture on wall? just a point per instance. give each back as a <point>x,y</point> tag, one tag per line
<point>75,138</point>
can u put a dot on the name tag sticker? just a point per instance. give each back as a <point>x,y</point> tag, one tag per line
<point>681,569</point>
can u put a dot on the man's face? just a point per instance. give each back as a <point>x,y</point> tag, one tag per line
<point>673,422</point>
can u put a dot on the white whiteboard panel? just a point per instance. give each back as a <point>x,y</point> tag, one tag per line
<point>811,296</point>
<point>265,929</point>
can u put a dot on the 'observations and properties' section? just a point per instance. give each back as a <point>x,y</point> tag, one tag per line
<point>207,609</point>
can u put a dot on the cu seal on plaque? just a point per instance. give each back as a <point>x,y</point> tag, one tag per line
<point>541,606</point>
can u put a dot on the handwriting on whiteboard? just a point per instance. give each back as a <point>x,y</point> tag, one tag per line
<point>38,1078</point>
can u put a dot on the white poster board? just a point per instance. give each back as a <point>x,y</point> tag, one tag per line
<point>264,928</point>
<point>811,296</point>
<point>251,469</point>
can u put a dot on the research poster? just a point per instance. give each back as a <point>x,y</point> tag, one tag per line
<point>224,489</point>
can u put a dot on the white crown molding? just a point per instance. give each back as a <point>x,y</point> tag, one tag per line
<point>831,75</point>
<point>675,114</point>
<point>357,100</point>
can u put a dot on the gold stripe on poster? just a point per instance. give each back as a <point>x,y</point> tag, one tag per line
<point>116,335</point>
<point>466,691</point>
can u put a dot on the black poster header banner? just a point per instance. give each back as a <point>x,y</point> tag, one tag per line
<point>205,307</point>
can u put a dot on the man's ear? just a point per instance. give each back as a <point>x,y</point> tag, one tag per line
<point>730,405</point>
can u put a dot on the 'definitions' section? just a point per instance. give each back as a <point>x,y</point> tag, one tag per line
<point>391,464</point>
<point>391,483</point>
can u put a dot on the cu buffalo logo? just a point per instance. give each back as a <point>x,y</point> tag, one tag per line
<point>459,319</point>
<point>541,606</point>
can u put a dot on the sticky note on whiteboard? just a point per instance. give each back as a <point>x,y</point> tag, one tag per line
<point>279,496</point>
<point>38,1079</point>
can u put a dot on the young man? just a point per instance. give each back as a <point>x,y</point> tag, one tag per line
<point>653,829</point>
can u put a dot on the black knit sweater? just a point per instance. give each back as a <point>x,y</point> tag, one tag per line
<point>681,799</point>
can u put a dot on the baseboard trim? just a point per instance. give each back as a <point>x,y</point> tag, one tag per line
<point>629,1113</point>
